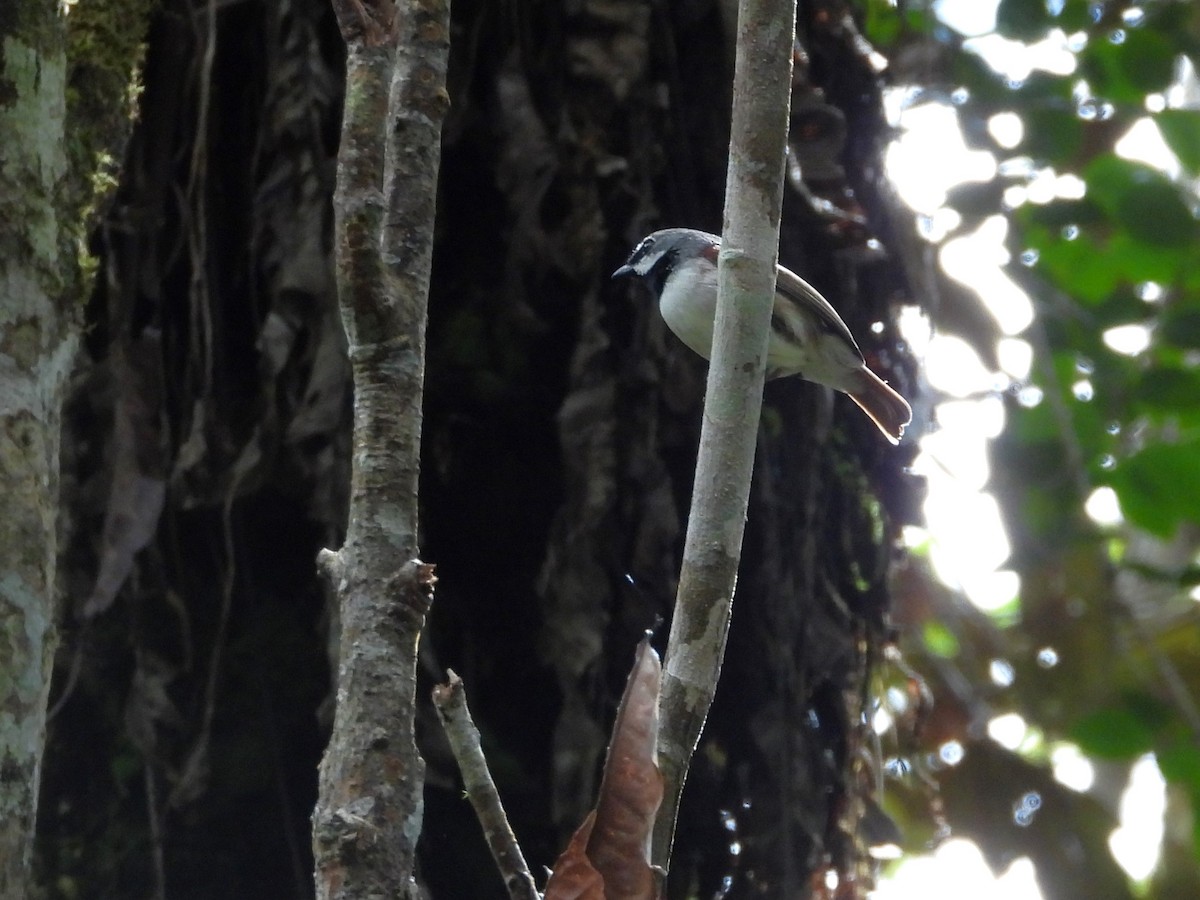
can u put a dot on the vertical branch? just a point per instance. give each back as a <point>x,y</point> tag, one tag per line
<point>368,814</point>
<point>746,284</point>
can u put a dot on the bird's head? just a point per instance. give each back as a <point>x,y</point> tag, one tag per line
<point>658,254</point>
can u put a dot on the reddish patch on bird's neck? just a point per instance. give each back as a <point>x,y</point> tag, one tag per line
<point>710,253</point>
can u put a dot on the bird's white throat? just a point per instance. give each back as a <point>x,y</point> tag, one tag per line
<point>689,304</point>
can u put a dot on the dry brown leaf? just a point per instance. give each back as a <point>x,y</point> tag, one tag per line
<point>574,877</point>
<point>632,789</point>
<point>609,856</point>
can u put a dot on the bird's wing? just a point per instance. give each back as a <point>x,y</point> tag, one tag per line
<point>807,297</point>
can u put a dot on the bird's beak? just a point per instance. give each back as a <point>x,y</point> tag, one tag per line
<point>623,271</point>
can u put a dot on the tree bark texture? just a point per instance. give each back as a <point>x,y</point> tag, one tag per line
<point>733,400</point>
<point>369,813</point>
<point>37,342</point>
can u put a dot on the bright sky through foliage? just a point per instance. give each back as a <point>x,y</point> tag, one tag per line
<point>1136,843</point>
<point>968,547</point>
<point>955,870</point>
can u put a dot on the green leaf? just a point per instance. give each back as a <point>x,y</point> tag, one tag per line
<point>1174,21</point>
<point>940,640</point>
<point>1023,20</point>
<point>1041,88</point>
<point>1180,129</point>
<point>1122,307</point>
<point>1181,328</point>
<point>1180,764</point>
<point>1078,264</point>
<point>979,79</point>
<point>1142,61</point>
<point>1157,215</point>
<point>1031,425</point>
<point>920,19</point>
<point>1113,733</point>
<point>1052,135</point>
<point>1159,487</point>
<point>1137,261</point>
<point>1058,213</point>
<point>882,23</point>
<point>1109,178</point>
<point>1147,60</point>
<point>1075,16</point>
<point>1169,390</point>
<point>1141,200</point>
<point>1195,799</point>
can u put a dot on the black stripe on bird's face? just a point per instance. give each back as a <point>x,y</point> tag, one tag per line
<point>661,271</point>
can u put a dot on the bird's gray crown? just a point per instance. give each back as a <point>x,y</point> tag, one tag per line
<point>666,247</point>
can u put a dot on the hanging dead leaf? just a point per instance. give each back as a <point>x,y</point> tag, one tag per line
<point>609,856</point>
<point>632,788</point>
<point>574,877</point>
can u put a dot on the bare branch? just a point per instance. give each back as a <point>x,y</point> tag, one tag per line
<point>451,702</point>
<point>368,815</point>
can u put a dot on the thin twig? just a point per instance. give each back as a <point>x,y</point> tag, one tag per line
<point>451,702</point>
<point>201,305</point>
<point>156,836</point>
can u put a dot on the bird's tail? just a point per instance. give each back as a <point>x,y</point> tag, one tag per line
<point>886,408</point>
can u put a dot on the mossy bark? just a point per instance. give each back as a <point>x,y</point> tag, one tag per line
<point>36,346</point>
<point>51,147</point>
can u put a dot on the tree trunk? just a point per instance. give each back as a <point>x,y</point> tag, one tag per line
<point>38,336</point>
<point>62,121</point>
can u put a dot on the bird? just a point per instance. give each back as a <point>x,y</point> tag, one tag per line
<point>808,337</point>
